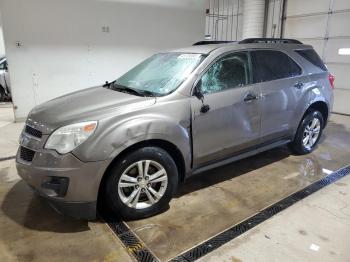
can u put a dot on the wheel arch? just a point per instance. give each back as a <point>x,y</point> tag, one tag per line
<point>320,106</point>
<point>169,147</point>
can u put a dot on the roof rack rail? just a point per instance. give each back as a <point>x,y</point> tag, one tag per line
<point>270,40</point>
<point>213,42</point>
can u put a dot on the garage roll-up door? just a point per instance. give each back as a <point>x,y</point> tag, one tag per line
<point>325,24</point>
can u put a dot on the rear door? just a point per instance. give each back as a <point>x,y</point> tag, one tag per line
<point>231,121</point>
<point>281,81</point>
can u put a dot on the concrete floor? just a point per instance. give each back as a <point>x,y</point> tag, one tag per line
<point>206,205</point>
<point>216,200</point>
<point>314,229</point>
<point>30,230</point>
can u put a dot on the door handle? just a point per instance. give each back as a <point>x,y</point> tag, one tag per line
<point>250,97</point>
<point>298,85</point>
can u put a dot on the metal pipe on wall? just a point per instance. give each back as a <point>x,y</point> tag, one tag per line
<point>223,20</point>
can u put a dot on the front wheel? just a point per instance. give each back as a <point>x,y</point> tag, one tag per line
<point>308,134</point>
<point>142,183</point>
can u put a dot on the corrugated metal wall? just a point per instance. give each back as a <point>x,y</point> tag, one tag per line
<point>234,19</point>
<point>224,20</point>
<point>253,18</point>
<point>274,18</point>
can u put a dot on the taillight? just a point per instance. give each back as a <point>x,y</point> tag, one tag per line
<point>331,80</point>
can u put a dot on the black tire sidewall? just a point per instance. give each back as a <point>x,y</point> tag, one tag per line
<point>111,188</point>
<point>298,141</point>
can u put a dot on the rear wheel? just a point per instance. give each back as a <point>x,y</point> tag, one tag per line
<point>308,134</point>
<point>142,183</point>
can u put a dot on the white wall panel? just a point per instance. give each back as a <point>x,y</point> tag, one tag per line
<point>341,101</point>
<point>341,71</point>
<point>64,49</point>
<point>341,4</point>
<point>331,54</point>
<point>298,7</point>
<point>2,44</point>
<point>306,27</point>
<point>339,24</point>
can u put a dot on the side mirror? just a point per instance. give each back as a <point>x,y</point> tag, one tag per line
<point>197,90</point>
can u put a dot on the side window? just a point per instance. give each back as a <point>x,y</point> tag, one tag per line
<point>228,72</point>
<point>271,65</point>
<point>312,57</point>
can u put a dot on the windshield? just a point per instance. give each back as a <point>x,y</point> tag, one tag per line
<point>160,74</point>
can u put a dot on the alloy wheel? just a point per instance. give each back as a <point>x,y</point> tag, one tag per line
<point>311,133</point>
<point>142,184</point>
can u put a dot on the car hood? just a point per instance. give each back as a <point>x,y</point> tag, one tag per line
<point>89,104</point>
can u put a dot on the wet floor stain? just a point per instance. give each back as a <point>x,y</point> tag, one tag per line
<point>302,232</point>
<point>323,238</point>
<point>234,259</point>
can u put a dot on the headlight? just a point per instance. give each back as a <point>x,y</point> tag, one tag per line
<point>67,138</point>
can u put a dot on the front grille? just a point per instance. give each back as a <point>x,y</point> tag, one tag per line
<point>33,132</point>
<point>26,154</point>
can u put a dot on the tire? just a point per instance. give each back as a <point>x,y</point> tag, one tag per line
<point>2,94</point>
<point>305,130</point>
<point>119,190</point>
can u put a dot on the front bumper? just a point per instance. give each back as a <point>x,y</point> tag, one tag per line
<point>77,210</point>
<point>70,185</point>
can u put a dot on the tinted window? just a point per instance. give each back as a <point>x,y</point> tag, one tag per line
<point>312,57</point>
<point>271,65</point>
<point>228,72</point>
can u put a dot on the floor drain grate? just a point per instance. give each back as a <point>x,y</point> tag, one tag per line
<point>132,243</point>
<point>138,249</point>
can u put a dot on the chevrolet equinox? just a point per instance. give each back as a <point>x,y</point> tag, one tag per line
<point>128,144</point>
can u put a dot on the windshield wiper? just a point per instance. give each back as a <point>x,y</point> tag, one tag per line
<point>126,89</point>
<point>108,84</point>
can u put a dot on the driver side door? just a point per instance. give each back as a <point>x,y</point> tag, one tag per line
<point>227,120</point>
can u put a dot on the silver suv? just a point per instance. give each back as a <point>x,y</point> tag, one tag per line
<point>128,144</point>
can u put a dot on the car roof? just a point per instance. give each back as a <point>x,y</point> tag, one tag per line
<point>200,49</point>
<point>208,48</point>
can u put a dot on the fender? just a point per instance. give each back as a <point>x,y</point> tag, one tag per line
<point>113,136</point>
<point>312,93</point>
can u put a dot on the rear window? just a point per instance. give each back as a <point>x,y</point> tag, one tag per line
<point>271,65</point>
<point>311,56</point>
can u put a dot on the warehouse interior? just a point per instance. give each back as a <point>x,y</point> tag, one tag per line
<point>273,206</point>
